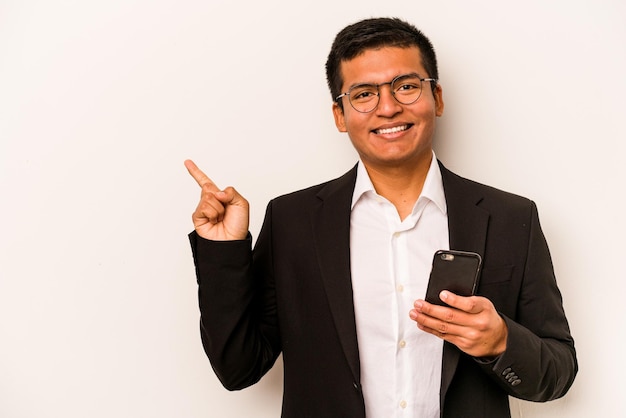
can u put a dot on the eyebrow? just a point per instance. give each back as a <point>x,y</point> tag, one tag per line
<point>386,82</point>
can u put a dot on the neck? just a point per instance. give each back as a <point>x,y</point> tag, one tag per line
<point>400,185</point>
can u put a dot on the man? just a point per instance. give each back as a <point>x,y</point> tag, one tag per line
<point>337,276</point>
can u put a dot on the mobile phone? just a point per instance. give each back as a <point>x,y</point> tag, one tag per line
<point>456,271</point>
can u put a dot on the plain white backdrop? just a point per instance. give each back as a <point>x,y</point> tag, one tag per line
<point>102,101</point>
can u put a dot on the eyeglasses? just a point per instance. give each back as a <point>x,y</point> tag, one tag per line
<point>406,89</point>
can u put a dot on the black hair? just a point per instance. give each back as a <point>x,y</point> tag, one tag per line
<point>376,33</point>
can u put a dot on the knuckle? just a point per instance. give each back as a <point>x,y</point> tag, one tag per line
<point>465,346</point>
<point>473,304</point>
<point>473,335</point>
<point>207,198</point>
<point>443,327</point>
<point>449,316</point>
<point>482,324</point>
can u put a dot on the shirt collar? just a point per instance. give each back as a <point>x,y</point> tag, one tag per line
<point>432,190</point>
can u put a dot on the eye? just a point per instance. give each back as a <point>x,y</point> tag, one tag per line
<point>363,93</point>
<point>407,85</point>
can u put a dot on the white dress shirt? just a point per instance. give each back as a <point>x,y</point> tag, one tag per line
<point>390,263</point>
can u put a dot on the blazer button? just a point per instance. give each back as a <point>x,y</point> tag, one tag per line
<point>506,371</point>
<point>516,382</point>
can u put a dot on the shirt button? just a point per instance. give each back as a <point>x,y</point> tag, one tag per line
<point>402,344</point>
<point>403,404</point>
<point>400,288</point>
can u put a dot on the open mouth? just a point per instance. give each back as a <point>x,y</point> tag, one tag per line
<point>392,130</point>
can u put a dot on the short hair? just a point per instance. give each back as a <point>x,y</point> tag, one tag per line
<point>376,33</point>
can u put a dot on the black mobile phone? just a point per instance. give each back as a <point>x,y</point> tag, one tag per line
<point>456,271</point>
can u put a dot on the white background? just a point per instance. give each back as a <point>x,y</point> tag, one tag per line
<point>101,102</point>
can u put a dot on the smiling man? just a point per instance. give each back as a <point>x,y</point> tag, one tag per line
<point>391,119</point>
<point>337,277</point>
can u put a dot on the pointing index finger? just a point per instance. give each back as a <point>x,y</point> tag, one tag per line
<point>198,175</point>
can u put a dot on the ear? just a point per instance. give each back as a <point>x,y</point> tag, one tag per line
<point>340,119</point>
<point>438,94</point>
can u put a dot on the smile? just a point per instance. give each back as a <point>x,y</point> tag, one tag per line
<point>393,130</point>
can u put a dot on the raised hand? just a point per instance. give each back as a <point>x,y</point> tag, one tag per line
<point>221,215</point>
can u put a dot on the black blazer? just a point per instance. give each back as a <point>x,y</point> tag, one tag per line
<point>293,294</point>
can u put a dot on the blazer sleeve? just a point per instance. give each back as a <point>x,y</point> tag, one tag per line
<point>238,321</point>
<point>539,363</point>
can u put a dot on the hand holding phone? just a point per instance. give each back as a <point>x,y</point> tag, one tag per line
<point>456,271</point>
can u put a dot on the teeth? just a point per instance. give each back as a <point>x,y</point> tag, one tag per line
<point>392,130</point>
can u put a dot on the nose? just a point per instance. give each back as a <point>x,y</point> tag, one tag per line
<point>387,103</point>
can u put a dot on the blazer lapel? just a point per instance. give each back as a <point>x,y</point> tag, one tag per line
<point>331,223</point>
<point>467,226</point>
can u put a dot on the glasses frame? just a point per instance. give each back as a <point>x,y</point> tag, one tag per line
<point>393,93</point>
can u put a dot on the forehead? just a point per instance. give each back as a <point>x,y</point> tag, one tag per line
<point>381,65</point>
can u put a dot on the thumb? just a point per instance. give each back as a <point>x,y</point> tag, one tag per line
<point>230,196</point>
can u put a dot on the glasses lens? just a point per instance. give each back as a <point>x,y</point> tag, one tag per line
<point>364,97</point>
<point>407,89</point>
